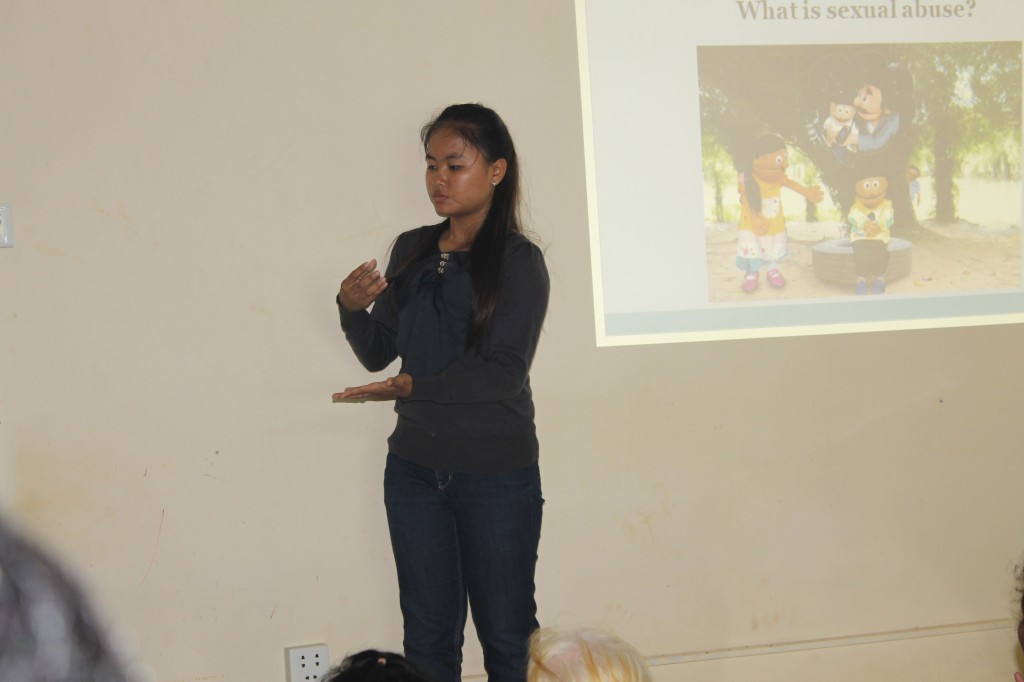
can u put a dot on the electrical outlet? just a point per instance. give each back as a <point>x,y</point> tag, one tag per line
<point>308,663</point>
<point>6,226</point>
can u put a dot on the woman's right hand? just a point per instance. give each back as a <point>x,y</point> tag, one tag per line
<point>361,287</point>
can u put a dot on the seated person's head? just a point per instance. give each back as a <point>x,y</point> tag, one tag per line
<point>48,631</point>
<point>584,655</point>
<point>377,666</point>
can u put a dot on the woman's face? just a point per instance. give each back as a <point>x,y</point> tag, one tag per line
<point>459,178</point>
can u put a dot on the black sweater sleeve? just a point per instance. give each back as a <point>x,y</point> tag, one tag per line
<point>372,334</point>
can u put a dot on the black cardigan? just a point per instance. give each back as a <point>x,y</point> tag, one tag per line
<point>469,410</point>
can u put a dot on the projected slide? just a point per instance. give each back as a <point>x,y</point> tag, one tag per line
<point>797,168</point>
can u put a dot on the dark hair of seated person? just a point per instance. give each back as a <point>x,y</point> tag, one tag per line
<point>48,631</point>
<point>377,666</point>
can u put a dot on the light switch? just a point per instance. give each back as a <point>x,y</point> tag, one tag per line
<point>6,226</point>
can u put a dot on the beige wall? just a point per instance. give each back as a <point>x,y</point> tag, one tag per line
<point>191,179</point>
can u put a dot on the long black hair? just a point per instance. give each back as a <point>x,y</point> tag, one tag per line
<point>484,130</point>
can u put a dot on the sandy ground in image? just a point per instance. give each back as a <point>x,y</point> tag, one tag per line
<point>946,258</point>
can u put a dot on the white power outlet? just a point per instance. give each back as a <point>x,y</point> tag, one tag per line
<point>6,226</point>
<point>308,663</point>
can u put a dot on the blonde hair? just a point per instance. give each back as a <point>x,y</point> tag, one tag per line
<point>584,655</point>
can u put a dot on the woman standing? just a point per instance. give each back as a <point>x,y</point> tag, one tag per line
<point>462,304</point>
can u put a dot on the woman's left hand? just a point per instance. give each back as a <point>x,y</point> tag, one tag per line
<point>399,386</point>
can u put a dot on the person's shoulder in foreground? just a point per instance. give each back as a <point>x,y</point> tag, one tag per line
<point>1020,626</point>
<point>48,631</point>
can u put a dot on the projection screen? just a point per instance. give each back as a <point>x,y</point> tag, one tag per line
<point>761,168</point>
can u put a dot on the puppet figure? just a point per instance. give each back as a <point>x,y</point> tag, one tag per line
<point>876,121</point>
<point>870,222</point>
<point>838,127</point>
<point>914,184</point>
<point>761,237</point>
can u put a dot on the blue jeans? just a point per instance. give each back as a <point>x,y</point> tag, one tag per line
<point>457,536</point>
